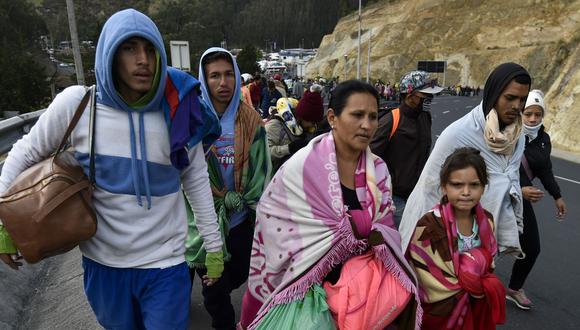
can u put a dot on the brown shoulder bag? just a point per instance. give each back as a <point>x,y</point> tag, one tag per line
<point>48,209</point>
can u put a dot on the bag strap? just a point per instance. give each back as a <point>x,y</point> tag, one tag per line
<point>92,121</point>
<point>396,117</point>
<point>74,120</point>
<point>286,130</point>
<point>89,95</point>
<point>56,201</point>
<point>527,168</point>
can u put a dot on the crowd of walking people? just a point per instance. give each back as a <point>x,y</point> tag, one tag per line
<point>337,217</point>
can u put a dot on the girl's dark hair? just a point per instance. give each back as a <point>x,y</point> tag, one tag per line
<point>345,89</point>
<point>216,56</point>
<point>463,158</point>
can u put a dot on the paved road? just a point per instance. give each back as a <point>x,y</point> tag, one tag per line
<point>57,300</point>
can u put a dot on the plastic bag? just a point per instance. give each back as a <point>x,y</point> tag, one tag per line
<point>308,314</point>
<point>367,295</point>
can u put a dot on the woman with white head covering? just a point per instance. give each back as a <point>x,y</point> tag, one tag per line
<point>535,163</point>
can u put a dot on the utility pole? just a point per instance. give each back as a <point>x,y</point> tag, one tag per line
<point>345,71</point>
<point>75,42</point>
<point>359,31</point>
<point>369,58</point>
<point>445,73</point>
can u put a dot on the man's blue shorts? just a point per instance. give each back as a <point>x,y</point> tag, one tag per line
<point>133,298</point>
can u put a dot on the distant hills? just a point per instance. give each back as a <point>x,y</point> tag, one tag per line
<point>204,23</point>
<point>472,37</point>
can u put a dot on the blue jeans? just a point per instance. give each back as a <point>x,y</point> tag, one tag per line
<point>400,207</point>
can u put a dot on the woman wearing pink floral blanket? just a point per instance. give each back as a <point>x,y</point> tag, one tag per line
<point>325,253</point>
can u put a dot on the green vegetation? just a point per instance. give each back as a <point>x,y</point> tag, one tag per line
<point>24,85</point>
<point>207,23</point>
<point>253,24</point>
<point>247,59</point>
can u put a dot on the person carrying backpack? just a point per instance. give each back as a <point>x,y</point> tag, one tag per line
<point>403,138</point>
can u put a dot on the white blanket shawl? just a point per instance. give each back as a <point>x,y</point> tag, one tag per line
<point>502,197</point>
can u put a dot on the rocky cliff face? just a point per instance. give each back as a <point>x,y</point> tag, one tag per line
<point>473,36</point>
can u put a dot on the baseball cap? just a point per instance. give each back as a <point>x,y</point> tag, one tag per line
<point>419,81</point>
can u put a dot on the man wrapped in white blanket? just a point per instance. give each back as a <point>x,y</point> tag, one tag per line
<point>494,127</point>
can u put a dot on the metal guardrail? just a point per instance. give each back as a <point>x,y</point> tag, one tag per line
<point>12,129</point>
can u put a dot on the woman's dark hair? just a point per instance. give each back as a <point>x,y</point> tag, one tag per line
<point>216,56</point>
<point>460,159</point>
<point>345,89</point>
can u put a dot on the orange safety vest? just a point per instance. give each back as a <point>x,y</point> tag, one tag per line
<point>396,118</point>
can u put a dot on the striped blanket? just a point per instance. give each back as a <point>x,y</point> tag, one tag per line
<point>303,228</point>
<point>458,290</point>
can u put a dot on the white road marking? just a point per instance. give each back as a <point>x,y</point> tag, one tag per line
<point>444,112</point>
<point>566,179</point>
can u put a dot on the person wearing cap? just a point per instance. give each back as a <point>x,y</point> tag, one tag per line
<point>246,81</point>
<point>292,125</point>
<point>280,85</point>
<point>535,163</point>
<point>403,139</point>
<point>310,110</point>
<point>285,135</point>
<point>270,96</point>
<point>494,128</point>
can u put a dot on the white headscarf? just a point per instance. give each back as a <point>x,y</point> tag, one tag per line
<point>535,97</point>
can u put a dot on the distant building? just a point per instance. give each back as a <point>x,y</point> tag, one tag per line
<point>289,62</point>
<point>65,45</point>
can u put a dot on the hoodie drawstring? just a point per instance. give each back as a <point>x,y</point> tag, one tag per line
<point>144,159</point>
<point>134,169</point>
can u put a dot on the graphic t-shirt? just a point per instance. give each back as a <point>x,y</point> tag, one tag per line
<point>225,155</point>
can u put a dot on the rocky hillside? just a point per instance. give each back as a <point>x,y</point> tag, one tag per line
<point>473,37</point>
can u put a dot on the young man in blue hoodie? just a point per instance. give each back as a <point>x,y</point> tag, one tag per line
<point>239,169</point>
<point>135,275</point>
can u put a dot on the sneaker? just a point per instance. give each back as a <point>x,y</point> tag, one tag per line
<point>519,298</point>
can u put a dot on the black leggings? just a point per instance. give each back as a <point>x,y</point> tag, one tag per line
<point>530,242</point>
<point>216,298</point>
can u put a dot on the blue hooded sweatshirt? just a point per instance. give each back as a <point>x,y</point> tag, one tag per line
<point>132,159</point>
<point>121,26</point>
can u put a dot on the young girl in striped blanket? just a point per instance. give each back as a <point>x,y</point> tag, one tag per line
<point>452,250</point>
